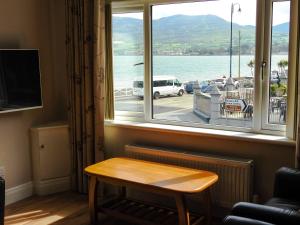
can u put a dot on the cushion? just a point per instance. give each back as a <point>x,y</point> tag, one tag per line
<point>284,203</point>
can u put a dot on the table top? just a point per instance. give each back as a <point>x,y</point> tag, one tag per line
<point>173,178</point>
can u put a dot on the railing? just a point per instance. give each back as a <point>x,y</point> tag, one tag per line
<point>245,96</point>
<point>277,110</point>
<point>124,92</point>
<point>277,106</point>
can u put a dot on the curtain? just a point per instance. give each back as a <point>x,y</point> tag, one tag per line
<point>109,83</point>
<point>85,47</point>
<point>298,90</point>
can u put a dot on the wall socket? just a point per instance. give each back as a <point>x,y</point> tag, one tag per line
<point>2,172</point>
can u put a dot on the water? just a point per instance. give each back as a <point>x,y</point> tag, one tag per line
<point>185,68</point>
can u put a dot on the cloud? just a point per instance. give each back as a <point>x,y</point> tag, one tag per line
<point>221,8</point>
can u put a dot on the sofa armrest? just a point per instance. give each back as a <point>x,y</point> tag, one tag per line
<point>266,213</point>
<point>237,220</point>
<point>2,200</point>
<point>287,183</point>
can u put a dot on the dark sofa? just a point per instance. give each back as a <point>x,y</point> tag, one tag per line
<point>282,209</point>
<point>2,200</point>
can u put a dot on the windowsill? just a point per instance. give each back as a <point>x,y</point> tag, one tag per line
<point>224,134</point>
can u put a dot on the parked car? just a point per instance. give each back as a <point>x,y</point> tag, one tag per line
<point>162,86</point>
<point>236,83</point>
<point>220,82</point>
<point>204,85</point>
<point>274,77</point>
<point>246,82</point>
<point>189,87</point>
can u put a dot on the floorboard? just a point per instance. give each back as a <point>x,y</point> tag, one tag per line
<point>58,209</point>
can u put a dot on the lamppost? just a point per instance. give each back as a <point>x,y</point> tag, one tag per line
<point>232,10</point>
<point>239,70</point>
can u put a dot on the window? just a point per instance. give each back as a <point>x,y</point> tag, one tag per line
<point>128,67</point>
<point>215,64</point>
<point>278,66</point>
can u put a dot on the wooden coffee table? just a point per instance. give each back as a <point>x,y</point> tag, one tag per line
<point>154,177</point>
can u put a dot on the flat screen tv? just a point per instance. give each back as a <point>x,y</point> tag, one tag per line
<point>20,80</point>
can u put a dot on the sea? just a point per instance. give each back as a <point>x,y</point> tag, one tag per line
<point>184,68</point>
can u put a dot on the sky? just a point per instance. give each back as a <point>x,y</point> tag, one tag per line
<point>221,8</point>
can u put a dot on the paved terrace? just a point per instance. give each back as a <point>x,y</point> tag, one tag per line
<point>173,108</point>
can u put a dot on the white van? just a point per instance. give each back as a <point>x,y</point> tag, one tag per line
<point>162,86</point>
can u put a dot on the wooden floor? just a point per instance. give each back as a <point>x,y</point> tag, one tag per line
<point>59,209</point>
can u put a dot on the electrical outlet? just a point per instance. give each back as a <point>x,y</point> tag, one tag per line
<point>2,172</point>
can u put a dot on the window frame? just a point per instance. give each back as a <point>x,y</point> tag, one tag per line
<point>261,74</point>
<point>267,70</point>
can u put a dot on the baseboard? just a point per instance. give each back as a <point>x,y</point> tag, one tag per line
<point>51,186</point>
<point>18,193</point>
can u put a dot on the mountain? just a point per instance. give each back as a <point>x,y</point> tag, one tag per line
<point>190,35</point>
<point>282,28</point>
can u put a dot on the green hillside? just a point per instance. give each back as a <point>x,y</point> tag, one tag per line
<point>190,35</point>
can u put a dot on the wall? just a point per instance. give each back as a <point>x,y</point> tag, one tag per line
<point>28,24</point>
<point>267,157</point>
<point>40,24</point>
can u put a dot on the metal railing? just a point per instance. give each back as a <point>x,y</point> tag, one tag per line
<point>123,92</point>
<point>277,110</point>
<point>244,95</point>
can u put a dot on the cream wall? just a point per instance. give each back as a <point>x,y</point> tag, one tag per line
<point>30,24</point>
<point>267,157</point>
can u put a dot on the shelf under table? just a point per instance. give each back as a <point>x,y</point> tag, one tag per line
<point>144,213</point>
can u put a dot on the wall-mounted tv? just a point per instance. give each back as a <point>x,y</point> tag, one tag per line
<point>20,80</point>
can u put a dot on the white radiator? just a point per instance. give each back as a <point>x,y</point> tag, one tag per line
<point>235,174</point>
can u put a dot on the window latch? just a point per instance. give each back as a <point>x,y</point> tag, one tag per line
<point>263,65</point>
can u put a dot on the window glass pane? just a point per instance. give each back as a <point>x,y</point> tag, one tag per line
<point>279,63</point>
<point>170,83</point>
<point>128,68</point>
<point>210,62</point>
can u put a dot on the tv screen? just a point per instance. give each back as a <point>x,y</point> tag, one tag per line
<point>20,83</point>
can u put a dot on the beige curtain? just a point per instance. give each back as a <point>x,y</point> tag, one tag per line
<point>298,113</point>
<point>85,44</point>
<point>109,83</point>
<point>297,161</point>
<point>298,92</point>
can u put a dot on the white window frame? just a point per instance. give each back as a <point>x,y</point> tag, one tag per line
<point>266,73</point>
<point>263,38</point>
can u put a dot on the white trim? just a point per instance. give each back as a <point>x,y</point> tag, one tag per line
<point>259,40</point>
<point>148,62</point>
<point>131,117</point>
<point>21,109</point>
<point>18,193</point>
<point>262,46</point>
<point>197,131</point>
<point>46,187</point>
<point>292,70</point>
<point>267,70</point>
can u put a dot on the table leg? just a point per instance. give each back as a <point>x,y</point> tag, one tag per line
<point>122,191</point>
<point>207,196</point>
<point>183,213</point>
<point>93,199</point>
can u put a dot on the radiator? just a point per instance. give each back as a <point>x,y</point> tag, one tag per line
<point>235,175</point>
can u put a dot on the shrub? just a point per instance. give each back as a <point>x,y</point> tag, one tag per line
<point>276,90</point>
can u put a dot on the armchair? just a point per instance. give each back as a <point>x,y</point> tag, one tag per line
<point>2,200</point>
<point>283,208</point>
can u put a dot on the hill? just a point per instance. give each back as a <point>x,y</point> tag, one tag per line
<point>190,35</point>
